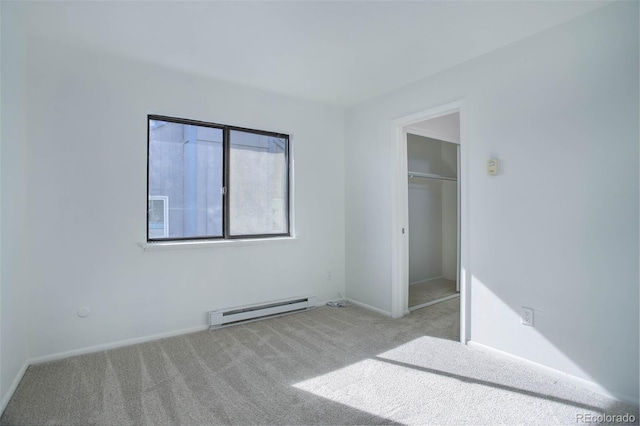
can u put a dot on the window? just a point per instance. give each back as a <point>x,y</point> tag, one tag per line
<point>223,181</point>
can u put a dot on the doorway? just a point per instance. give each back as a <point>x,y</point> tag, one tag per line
<point>446,125</point>
<point>432,161</point>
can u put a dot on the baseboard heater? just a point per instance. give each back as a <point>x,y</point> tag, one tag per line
<point>240,314</point>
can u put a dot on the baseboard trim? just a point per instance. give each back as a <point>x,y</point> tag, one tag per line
<point>115,345</point>
<point>13,387</point>
<point>575,380</point>
<point>370,308</point>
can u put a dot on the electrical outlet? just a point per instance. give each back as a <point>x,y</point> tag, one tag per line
<point>527,316</point>
<point>329,275</point>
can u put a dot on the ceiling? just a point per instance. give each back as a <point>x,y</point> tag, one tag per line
<point>336,52</point>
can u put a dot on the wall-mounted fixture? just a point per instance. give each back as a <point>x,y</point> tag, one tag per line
<point>492,166</point>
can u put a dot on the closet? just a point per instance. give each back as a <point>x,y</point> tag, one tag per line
<point>433,220</point>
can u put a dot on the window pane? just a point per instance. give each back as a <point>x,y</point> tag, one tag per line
<point>185,169</point>
<point>258,169</point>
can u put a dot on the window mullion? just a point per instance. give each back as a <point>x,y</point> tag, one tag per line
<point>225,182</point>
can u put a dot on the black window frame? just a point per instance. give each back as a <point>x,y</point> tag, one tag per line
<point>226,184</point>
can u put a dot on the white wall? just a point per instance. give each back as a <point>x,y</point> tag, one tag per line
<point>558,229</point>
<point>87,202</point>
<point>13,182</point>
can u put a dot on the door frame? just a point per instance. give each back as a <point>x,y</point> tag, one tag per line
<point>400,215</point>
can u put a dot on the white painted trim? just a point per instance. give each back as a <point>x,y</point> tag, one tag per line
<point>561,375</point>
<point>400,214</point>
<point>464,219</point>
<point>427,280</point>
<point>116,344</point>
<point>178,245</point>
<point>369,307</point>
<point>292,188</point>
<point>13,387</point>
<point>399,224</point>
<point>428,114</point>
<point>458,223</point>
<point>432,135</point>
<point>433,302</point>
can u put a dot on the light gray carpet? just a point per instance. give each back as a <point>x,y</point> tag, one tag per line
<point>326,366</point>
<point>431,290</point>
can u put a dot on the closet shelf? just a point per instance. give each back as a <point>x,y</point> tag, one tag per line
<point>430,176</point>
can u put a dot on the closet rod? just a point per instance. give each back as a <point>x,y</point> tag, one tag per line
<point>430,176</point>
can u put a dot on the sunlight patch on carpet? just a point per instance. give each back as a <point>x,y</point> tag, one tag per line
<point>432,380</point>
<point>398,393</point>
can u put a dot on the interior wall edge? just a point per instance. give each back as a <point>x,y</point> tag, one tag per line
<point>14,283</point>
<point>14,385</point>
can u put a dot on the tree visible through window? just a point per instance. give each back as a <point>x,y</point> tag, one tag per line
<point>210,181</point>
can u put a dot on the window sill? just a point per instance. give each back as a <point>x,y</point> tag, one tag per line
<point>179,245</point>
